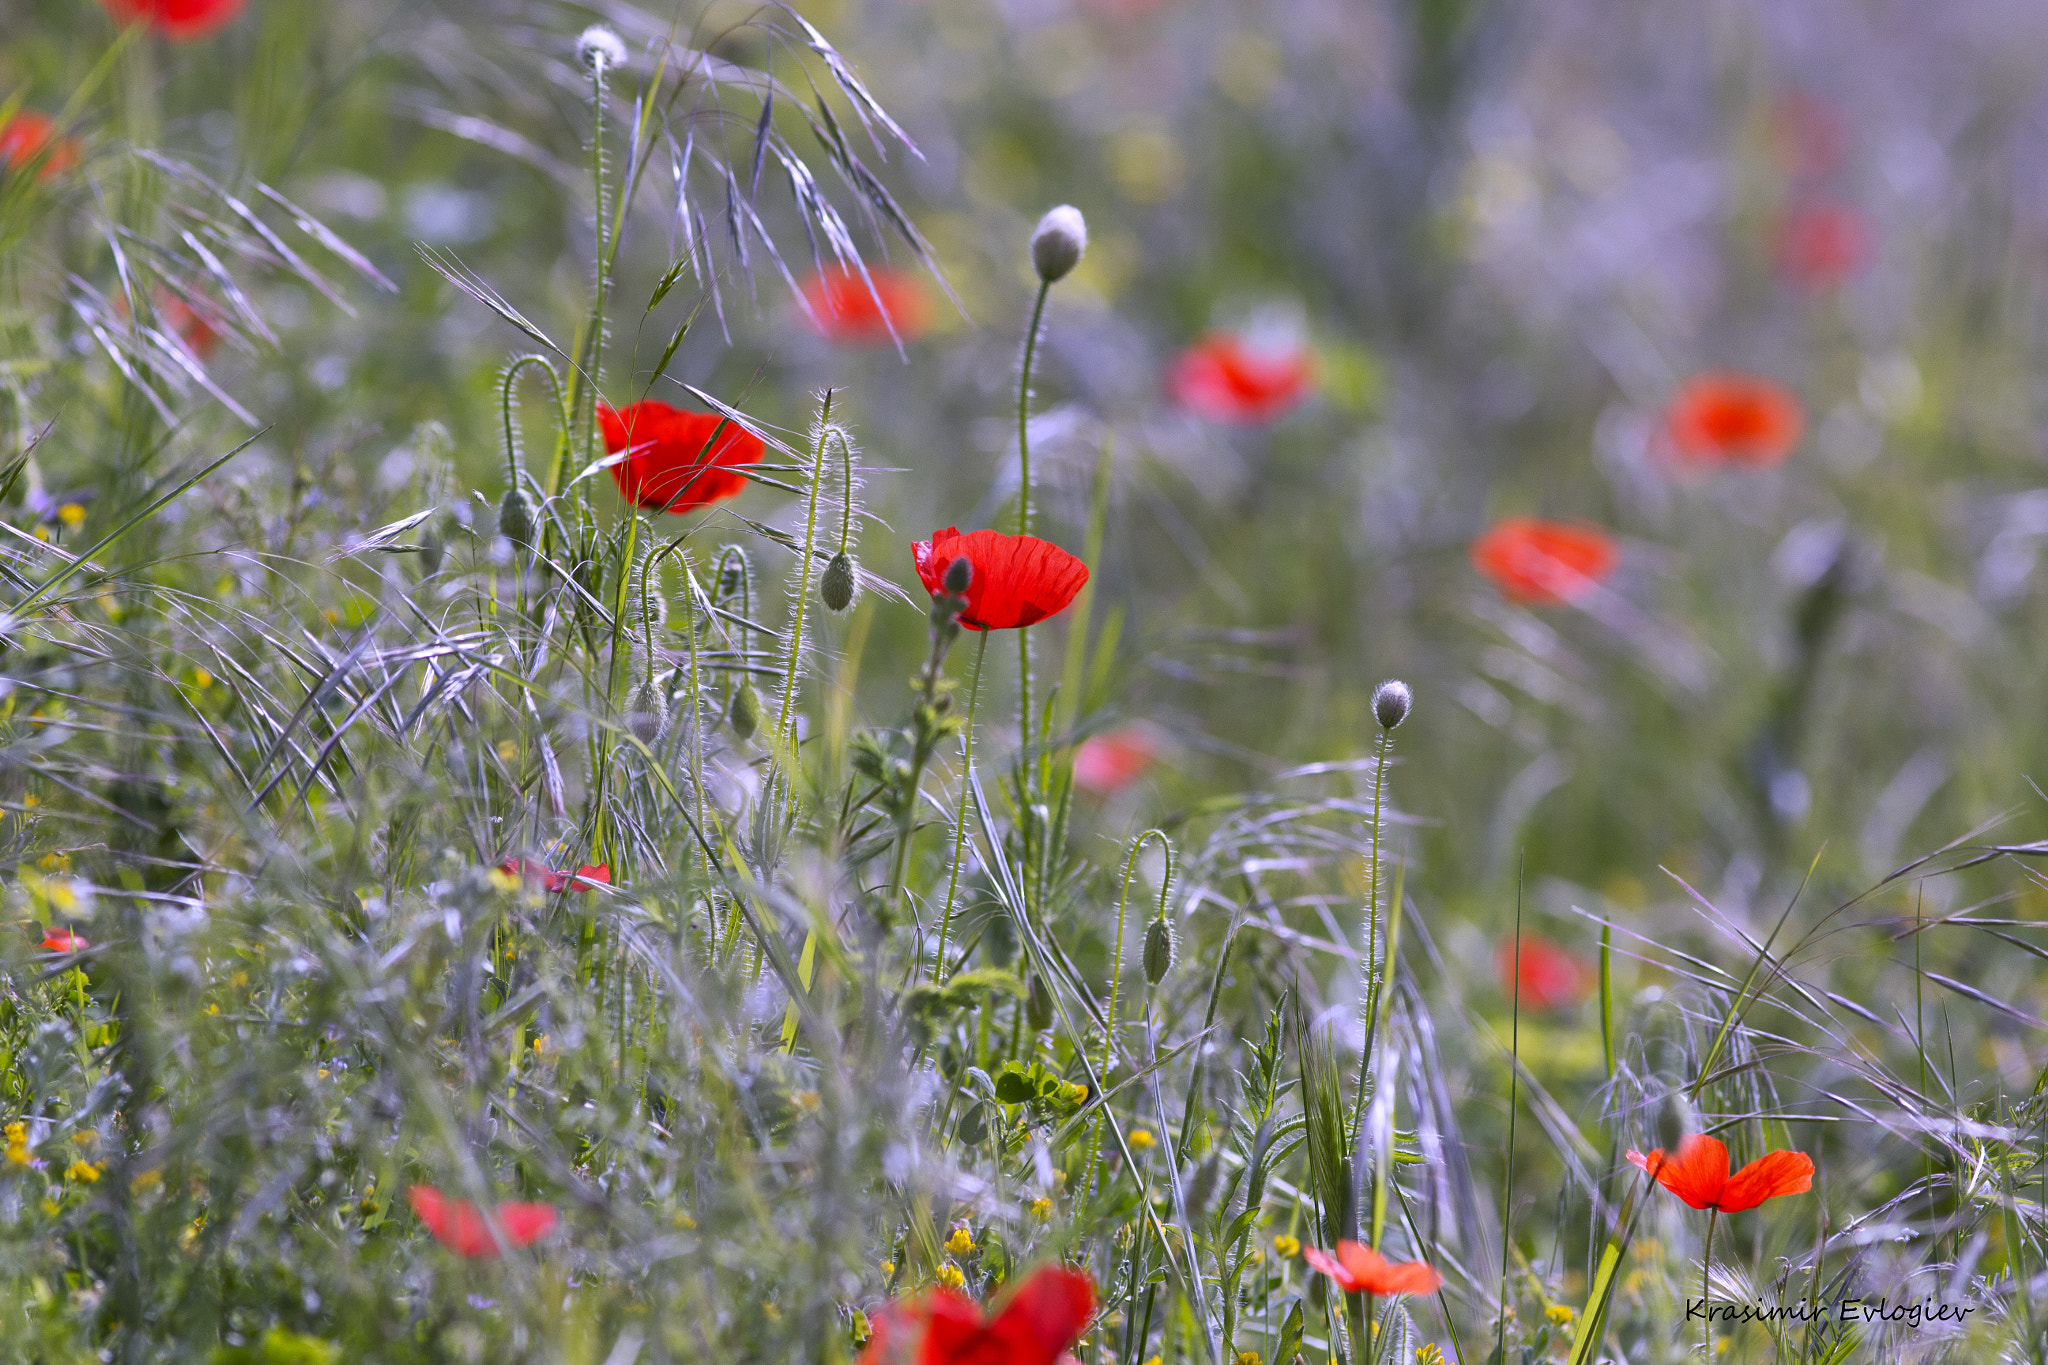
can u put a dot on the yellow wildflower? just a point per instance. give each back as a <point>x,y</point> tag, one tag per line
<point>508,749</point>
<point>1041,1208</point>
<point>773,1313</point>
<point>950,1276</point>
<point>1247,1358</point>
<point>503,880</point>
<point>1077,1094</point>
<point>71,514</point>
<point>1559,1314</point>
<point>961,1243</point>
<point>146,1181</point>
<point>201,679</point>
<point>1141,1139</point>
<point>685,1222</point>
<point>1429,1353</point>
<point>82,1169</point>
<point>18,1153</point>
<point>1286,1248</point>
<point>887,1268</point>
<point>806,1100</point>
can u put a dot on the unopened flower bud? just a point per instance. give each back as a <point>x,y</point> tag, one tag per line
<point>433,549</point>
<point>1675,1119</point>
<point>1159,946</point>
<point>516,517</point>
<point>835,589</point>
<point>1391,701</point>
<point>600,49</point>
<point>647,714</point>
<point>959,576</point>
<point>745,714</point>
<point>1059,243</point>
<point>1038,1006</point>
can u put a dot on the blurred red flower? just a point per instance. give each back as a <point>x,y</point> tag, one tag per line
<point>1534,561</point>
<point>63,941</point>
<point>1223,379</point>
<point>1820,245</point>
<point>1017,580</point>
<point>1043,1316</point>
<point>186,324</point>
<point>583,878</point>
<point>180,20</point>
<point>1699,1174</point>
<point>28,135</point>
<point>844,309</point>
<point>465,1230</point>
<point>1545,976</point>
<point>1724,417</point>
<point>1106,764</point>
<point>674,466</point>
<point>1359,1269</point>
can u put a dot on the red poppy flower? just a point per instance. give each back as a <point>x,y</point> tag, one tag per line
<point>1727,418</point>
<point>1545,975</point>
<point>465,1230</point>
<point>583,878</point>
<point>844,308</point>
<point>674,465</point>
<point>186,323</point>
<point>28,135</point>
<point>1106,764</point>
<point>1544,561</point>
<point>1221,378</point>
<point>1017,579</point>
<point>1699,1174</point>
<point>64,941</point>
<point>1359,1269</point>
<point>1820,245</point>
<point>1042,1317</point>
<point>179,20</point>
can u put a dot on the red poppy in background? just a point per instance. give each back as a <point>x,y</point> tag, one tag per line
<point>28,135</point>
<point>1040,1320</point>
<point>1223,379</point>
<point>583,878</point>
<point>1543,976</point>
<point>1724,417</point>
<point>1534,561</point>
<point>1106,764</point>
<point>674,465</point>
<point>1820,245</point>
<point>186,323</point>
<point>1699,1174</point>
<point>1359,1269</point>
<point>179,20</point>
<point>845,309</point>
<point>464,1229</point>
<point>63,941</point>
<point>1017,580</point>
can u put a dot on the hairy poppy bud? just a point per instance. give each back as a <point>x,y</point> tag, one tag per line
<point>959,576</point>
<point>647,714</point>
<point>835,589</point>
<point>515,517</point>
<point>1038,1007</point>
<point>1059,243</point>
<point>600,49</point>
<point>746,711</point>
<point>1159,946</point>
<point>1675,1119</point>
<point>1391,701</point>
<point>433,549</point>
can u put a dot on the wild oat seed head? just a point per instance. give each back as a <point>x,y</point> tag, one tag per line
<point>1059,243</point>
<point>1391,701</point>
<point>600,49</point>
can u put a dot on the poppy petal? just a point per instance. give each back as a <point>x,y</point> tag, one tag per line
<point>676,461</point>
<point>1767,1177</point>
<point>1699,1171</point>
<point>1044,1316</point>
<point>1017,580</point>
<point>1323,1262</point>
<point>1373,1273</point>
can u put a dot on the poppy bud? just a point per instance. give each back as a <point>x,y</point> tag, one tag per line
<point>1390,703</point>
<point>432,550</point>
<point>1159,946</point>
<point>600,49</point>
<point>647,715</point>
<point>1059,243</point>
<point>959,576</point>
<point>1675,1119</point>
<point>745,714</point>
<point>835,589</point>
<point>1038,1007</point>
<point>516,518</point>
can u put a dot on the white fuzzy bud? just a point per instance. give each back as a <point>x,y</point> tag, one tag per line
<point>1059,243</point>
<point>600,49</point>
<point>1391,702</point>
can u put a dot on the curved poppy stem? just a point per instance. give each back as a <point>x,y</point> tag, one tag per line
<point>1706,1269</point>
<point>960,817</point>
